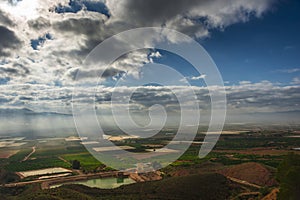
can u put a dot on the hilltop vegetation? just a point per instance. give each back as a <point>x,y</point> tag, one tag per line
<point>289,178</point>
<point>206,187</point>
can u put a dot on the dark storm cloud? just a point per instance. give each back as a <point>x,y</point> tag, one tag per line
<point>152,11</point>
<point>15,70</point>
<point>104,97</point>
<point>39,23</point>
<point>148,97</point>
<point>91,29</point>
<point>8,70</point>
<point>21,68</point>
<point>8,41</point>
<point>84,25</point>
<point>5,20</point>
<point>26,98</point>
<point>76,74</point>
<point>192,17</point>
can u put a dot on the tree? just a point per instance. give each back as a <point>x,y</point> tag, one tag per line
<point>76,164</point>
<point>289,177</point>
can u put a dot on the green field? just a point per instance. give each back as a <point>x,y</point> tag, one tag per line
<point>87,161</point>
<point>36,164</point>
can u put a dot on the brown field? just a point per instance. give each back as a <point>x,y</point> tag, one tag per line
<point>251,172</point>
<point>206,167</point>
<point>8,153</point>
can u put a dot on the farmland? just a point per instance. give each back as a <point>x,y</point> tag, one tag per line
<point>260,152</point>
<point>232,148</point>
<point>36,164</point>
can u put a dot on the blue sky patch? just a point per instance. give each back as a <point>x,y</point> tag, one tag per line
<point>4,81</point>
<point>14,2</point>
<point>75,6</point>
<point>35,43</point>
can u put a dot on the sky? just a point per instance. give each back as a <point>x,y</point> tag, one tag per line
<point>255,45</point>
<point>265,48</point>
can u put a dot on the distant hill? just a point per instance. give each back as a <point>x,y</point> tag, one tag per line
<point>25,111</point>
<point>200,187</point>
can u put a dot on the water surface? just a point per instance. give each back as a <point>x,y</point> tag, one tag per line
<point>104,183</point>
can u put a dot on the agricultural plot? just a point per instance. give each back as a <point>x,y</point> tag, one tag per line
<point>7,153</point>
<point>37,164</point>
<point>55,176</point>
<point>87,161</point>
<point>11,144</point>
<point>113,148</point>
<point>89,143</point>
<point>48,171</point>
<point>13,139</point>
<point>239,143</point>
<point>162,150</point>
<point>48,154</point>
<point>58,147</point>
<point>20,155</point>
<point>73,138</point>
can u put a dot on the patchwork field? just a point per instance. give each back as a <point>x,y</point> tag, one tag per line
<point>243,158</point>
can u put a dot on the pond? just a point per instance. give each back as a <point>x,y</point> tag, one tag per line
<point>103,183</point>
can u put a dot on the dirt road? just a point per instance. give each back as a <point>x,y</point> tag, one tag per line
<point>28,156</point>
<point>243,182</point>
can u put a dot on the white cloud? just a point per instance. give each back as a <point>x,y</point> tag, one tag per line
<point>289,71</point>
<point>296,81</point>
<point>243,98</point>
<point>202,76</point>
<point>193,78</point>
<point>74,35</point>
<point>25,9</point>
